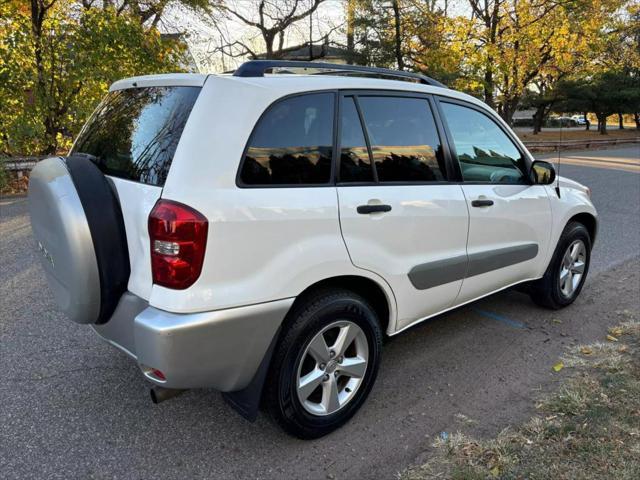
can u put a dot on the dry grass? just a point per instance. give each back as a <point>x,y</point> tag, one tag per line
<point>589,429</point>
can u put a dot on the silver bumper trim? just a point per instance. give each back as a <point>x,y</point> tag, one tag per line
<point>220,349</point>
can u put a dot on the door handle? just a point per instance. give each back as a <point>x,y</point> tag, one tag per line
<point>366,209</point>
<point>481,203</point>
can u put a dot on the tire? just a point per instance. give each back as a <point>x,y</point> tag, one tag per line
<point>334,312</point>
<point>79,230</point>
<point>551,291</point>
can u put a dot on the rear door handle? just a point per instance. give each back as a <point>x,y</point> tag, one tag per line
<point>366,209</point>
<point>481,203</point>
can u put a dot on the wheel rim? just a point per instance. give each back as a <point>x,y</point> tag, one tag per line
<point>572,268</point>
<point>332,368</point>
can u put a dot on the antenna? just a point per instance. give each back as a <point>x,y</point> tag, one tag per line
<point>558,148</point>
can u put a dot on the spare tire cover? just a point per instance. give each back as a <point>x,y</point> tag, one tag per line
<point>79,232</point>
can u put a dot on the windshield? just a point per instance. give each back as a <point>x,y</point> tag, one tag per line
<point>133,134</point>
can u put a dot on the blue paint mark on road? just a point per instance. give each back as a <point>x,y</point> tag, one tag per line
<point>499,318</point>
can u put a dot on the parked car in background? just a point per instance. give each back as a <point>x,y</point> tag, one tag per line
<point>580,120</point>
<point>556,122</point>
<point>260,234</point>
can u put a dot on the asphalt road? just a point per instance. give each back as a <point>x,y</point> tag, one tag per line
<point>74,407</point>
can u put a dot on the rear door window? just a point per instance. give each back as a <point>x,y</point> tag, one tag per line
<point>292,143</point>
<point>134,133</point>
<point>404,139</point>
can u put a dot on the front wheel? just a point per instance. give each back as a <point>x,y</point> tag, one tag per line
<point>325,365</point>
<point>567,271</point>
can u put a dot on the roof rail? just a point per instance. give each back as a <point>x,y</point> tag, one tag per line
<point>257,68</point>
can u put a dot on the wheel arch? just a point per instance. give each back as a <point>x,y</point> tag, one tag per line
<point>366,287</point>
<point>247,401</point>
<point>589,221</point>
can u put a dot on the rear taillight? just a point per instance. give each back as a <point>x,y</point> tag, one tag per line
<point>178,237</point>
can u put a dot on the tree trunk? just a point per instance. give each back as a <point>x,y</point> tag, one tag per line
<point>602,123</point>
<point>488,84</point>
<point>538,120</point>
<point>51,130</point>
<point>351,51</point>
<point>620,122</point>
<point>636,117</point>
<point>268,37</point>
<point>398,34</point>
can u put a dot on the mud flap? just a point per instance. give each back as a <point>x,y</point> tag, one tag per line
<point>247,401</point>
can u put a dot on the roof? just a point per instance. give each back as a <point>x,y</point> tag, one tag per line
<point>285,84</point>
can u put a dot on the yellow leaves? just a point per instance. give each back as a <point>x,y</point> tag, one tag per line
<point>616,331</point>
<point>611,338</point>
<point>558,366</point>
<point>586,350</point>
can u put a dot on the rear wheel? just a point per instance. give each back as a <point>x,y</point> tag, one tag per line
<point>567,271</point>
<point>325,365</point>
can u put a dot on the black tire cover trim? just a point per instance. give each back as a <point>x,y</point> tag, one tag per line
<point>106,224</point>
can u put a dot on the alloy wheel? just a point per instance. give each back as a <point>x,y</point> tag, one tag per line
<point>332,368</point>
<point>572,268</point>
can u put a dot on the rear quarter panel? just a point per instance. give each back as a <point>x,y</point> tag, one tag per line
<point>137,201</point>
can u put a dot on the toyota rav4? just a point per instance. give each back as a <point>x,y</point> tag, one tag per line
<point>260,233</point>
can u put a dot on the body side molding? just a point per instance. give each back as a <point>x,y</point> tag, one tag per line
<point>432,274</point>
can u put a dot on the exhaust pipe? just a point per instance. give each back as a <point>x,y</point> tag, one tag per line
<point>160,394</point>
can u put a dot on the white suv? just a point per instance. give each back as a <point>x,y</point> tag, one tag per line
<point>261,234</point>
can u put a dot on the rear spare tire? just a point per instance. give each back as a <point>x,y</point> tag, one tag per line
<point>79,231</point>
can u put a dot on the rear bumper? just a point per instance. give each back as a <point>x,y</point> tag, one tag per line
<point>220,349</point>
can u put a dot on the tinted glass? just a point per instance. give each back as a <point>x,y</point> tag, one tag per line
<point>485,152</point>
<point>134,132</point>
<point>292,143</point>
<point>404,139</point>
<point>355,165</point>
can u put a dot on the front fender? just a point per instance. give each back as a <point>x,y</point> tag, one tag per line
<point>572,201</point>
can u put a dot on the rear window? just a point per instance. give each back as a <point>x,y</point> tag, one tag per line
<point>134,133</point>
<point>292,143</point>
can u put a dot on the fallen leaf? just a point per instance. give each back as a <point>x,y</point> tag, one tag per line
<point>558,366</point>
<point>495,471</point>
<point>586,351</point>
<point>555,320</point>
<point>617,331</point>
<point>611,338</point>
<point>623,348</point>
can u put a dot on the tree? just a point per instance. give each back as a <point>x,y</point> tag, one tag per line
<point>270,20</point>
<point>402,34</point>
<point>622,52</point>
<point>545,94</point>
<point>510,44</point>
<point>604,94</point>
<point>57,59</point>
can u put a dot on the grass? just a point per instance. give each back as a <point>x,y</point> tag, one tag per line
<point>574,134</point>
<point>588,429</point>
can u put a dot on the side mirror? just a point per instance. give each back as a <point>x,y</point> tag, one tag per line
<point>543,173</point>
